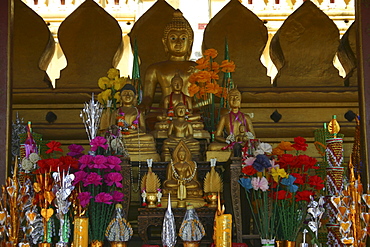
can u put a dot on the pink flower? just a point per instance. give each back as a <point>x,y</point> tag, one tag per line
<point>98,141</point>
<point>99,162</point>
<point>104,198</point>
<point>92,178</point>
<point>117,196</point>
<point>84,198</point>
<point>114,163</point>
<point>79,176</point>
<point>75,150</point>
<point>85,161</point>
<point>249,161</point>
<point>260,183</point>
<point>114,178</point>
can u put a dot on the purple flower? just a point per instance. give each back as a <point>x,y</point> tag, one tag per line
<point>79,176</point>
<point>84,198</point>
<point>114,178</point>
<point>98,141</point>
<point>75,150</point>
<point>261,162</point>
<point>104,198</point>
<point>85,161</point>
<point>92,178</point>
<point>99,162</point>
<point>114,163</point>
<point>117,196</point>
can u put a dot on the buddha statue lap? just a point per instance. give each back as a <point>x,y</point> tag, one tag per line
<point>177,40</point>
<point>168,105</point>
<point>181,178</point>
<point>131,124</point>
<point>231,123</point>
<point>180,130</point>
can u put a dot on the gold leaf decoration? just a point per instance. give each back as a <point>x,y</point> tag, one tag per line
<point>213,182</point>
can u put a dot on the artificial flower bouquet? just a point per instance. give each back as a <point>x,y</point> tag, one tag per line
<point>99,181</point>
<point>204,86</point>
<point>279,185</point>
<point>111,86</point>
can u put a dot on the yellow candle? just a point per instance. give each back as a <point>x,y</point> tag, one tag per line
<point>81,232</point>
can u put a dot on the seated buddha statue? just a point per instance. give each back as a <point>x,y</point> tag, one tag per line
<point>180,130</point>
<point>130,121</point>
<point>168,105</point>
<point>177,40</point>
<point>230,124</point>
<point>181,177</point>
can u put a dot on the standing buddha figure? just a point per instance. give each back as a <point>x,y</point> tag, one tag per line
<point>177,40</point>
<point>130,122</point>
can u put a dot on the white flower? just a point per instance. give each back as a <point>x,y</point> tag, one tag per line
<point>258,151</point>
<point>265,148</point>
<point>27,165</point>
<point>34,157</point>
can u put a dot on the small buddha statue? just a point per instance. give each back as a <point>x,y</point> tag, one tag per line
<point>177,40</point>
<point>168,114</point>
<point>180,130</point>
<point>130,121</point>
<point>231,122</point>
<point>181,175</point>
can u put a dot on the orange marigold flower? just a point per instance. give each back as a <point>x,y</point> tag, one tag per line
<point>227,66</point>
<point>212,88</point>
<point>215,67</point>
<point>210,53</point>
<point>193,89</point>
<point>285,146</point>
<point>192,78</point>
<point>201,93</point>
<point>214,75</point>
<point>203,76</point>
<point>277,151</point>
<point>202,63</point>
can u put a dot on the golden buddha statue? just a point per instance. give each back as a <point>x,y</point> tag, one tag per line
<point>180,130</point>
<point>177,40</point>
<point>231,122</point>
<point>168,114</point>
<point>181,177</point>
<point>130,121</point>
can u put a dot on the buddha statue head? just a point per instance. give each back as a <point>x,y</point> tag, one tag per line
<point>181,153</point>
<point>128,95</point>
<point>176,83</point>
<point>234,98</point>
<point>180,110</point>
<point>178,36</point>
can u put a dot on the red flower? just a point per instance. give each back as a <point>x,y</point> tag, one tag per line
<point>281,195</point>
<point>286,160</point>
<point>54,146</point>
<point>303,196</point>
<point>249,170</point>
<point>67,162</point>
<point>316,182</point>
<point>306,162</point>
<point>300,143</point>
<point>299,178</point>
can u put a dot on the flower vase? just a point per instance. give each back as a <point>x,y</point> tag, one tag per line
<point>44,244</point>
<point>151,198</point>
<point>191,243</point>
<point>81,232</point>
<point>279,243</point>
<point>288,243</point>
<point>118,244</point>
<point>267,242</point>
<point>96,243</point>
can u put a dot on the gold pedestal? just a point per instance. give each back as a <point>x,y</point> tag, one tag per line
<point>151,198</point>
<point>221,156</point>
<point>96,243</point>
<point>118,244</point>
<point>181,203</point>
<point>211,198</point>
<point>191,243</point>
